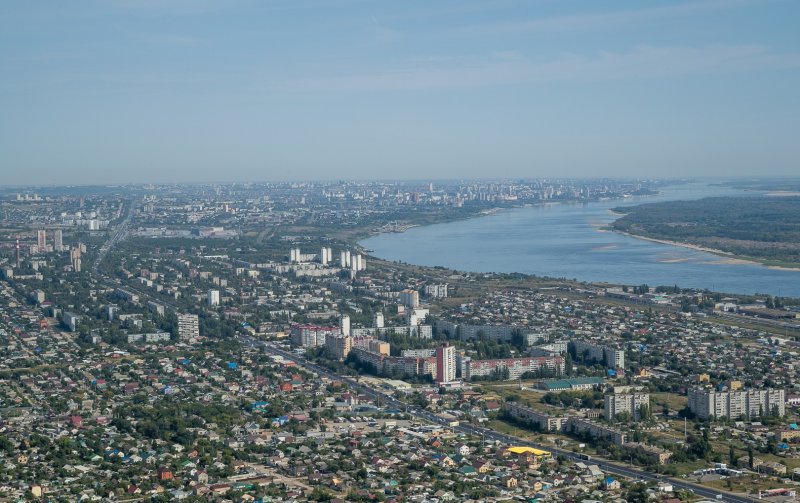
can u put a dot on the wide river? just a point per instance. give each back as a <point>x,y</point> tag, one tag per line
<point>566,240</point>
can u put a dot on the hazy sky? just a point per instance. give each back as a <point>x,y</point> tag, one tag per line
<point>224,90</point>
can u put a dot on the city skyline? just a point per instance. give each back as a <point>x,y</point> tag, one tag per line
<point>140,91</point>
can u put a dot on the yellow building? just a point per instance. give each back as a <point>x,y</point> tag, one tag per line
<point>734,385</point>
<point>532,454</point>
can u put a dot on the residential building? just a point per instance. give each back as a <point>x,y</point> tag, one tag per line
<point>312,335</point>
<point>610,357</point>
<point>634,404</point>
<point>445,363</point>
<point>540,420</point>
<point>409,298</point>
<point>512,368</point>
<point>708,403</point>
<point>339,346</point>
<point>593,429</point>
<point>188,326</point>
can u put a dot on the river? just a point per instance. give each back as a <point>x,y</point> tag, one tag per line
<point>566,240</point>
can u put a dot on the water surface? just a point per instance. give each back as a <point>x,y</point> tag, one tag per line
<point>565,240</point>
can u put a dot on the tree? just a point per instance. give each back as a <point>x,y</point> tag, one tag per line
<point>568,364</point>
<point>637,493</point>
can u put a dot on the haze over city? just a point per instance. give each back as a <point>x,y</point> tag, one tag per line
<point>198,91</point>
<point>400,251</point>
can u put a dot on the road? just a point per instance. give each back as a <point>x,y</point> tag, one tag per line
<point>604,464</point>
<point>120,233</point>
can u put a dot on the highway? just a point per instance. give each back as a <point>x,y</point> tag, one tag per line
<point>120,233</point>
<point>604,464</point>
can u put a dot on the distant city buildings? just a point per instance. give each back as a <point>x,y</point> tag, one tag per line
<point>213,298</point>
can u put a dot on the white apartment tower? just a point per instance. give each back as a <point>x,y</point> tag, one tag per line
<point>188,326</point>
<point>213,297</point>
<point>750,403</point>
<point>445,364</point>
<point>344,324</point>
<point>630,403</point>
<point>409,298</point>
<point>58,241</point>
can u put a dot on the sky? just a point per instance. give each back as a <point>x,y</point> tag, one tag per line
<point>133,91</point>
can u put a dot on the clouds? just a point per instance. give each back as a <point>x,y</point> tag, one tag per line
<point>409,86</point>
<point>602,20</point>
<point>511,68</point>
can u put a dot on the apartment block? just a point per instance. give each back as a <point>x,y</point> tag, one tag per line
<point>610,357</point>
<point>541,420</point>
<point>312,335</point>
<point>188,326</point>
<point>711,404</point>
<point>625,403</point>
<point>516,367</point>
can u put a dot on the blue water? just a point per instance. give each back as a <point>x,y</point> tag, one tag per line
<point>565,241</point>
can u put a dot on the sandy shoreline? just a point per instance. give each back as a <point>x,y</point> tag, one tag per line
<point>728,258</point>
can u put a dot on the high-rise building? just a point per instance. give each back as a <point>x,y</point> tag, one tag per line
<point>409,298</point>
<point>344,324</point>
<point>611,357</point>
<point>58,240</point>
<point>750,403</point>
<point>339,346</point>
<point>438,291</point>
<point>41,239</point>
<point>378,320</point>
<point>379,346</point>
<point>312,335</point>
<point>213,297</point>
<point>188,326</point>
<point>75,256</point>
<point>626,403</point>
<point>445,363</point>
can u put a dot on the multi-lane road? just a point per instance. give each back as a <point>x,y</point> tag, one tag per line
<point>120,233</point>
<point>388,399</point>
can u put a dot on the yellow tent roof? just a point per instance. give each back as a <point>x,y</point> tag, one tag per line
<point>527,450</point>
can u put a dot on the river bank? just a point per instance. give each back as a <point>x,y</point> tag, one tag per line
<point>728,257</point>
<point>562,241</point>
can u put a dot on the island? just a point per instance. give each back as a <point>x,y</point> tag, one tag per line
<point>760,228</point>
